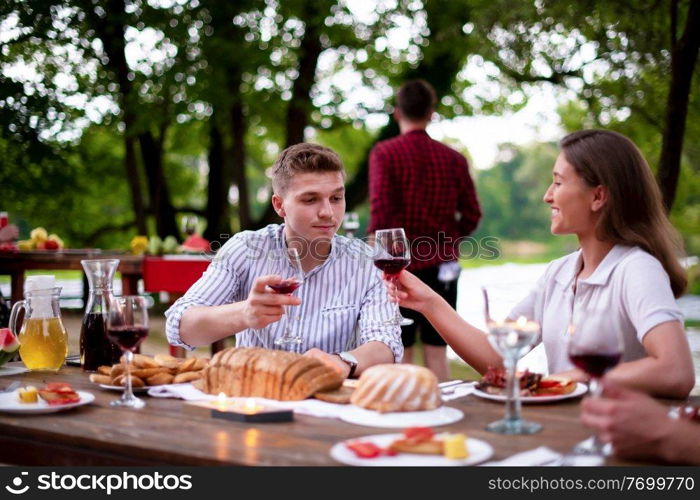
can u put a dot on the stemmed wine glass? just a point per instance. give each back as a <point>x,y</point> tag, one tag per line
<point>127,326</point>
<point>594,349</point>
<point>512,339</point>
<point>189,224</point>
<point>392,255</point>
<point>288,286</point>
<point>351,223</point>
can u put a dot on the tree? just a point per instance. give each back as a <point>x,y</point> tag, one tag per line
<point>618,57</point>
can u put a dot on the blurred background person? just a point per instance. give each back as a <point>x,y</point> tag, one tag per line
<point>423,186</point>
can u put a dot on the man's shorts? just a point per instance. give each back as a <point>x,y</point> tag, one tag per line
<point>428,334</point>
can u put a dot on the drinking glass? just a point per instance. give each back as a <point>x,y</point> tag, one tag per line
<point>594,349</point>
<point>392,255</point>
<point>287,287</point>
<point>127,326</point>
<point>351,223</point>
<point>189,224</point>
<point>512,339</point>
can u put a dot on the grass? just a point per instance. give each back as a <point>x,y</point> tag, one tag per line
<point>458,369</point>
<point>692,323</point>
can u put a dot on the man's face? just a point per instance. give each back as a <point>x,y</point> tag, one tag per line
<point>313,205</point>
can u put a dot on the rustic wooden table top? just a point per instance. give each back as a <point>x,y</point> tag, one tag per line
<point>164,433</point>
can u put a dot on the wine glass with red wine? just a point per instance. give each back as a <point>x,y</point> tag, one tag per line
<point>595,349</point>
<point>392,255</point>
<point>127,326</point>
<point>288,286</point>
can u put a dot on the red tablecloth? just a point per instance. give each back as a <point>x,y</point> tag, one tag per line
<point>172,273</point>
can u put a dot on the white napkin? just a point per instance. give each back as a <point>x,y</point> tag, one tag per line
<point>458,391</point>
<point>313,407</point>
<point>187,391</point>
<point>538,457</point>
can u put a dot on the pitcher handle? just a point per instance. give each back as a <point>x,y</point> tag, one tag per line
<point>21,304</point>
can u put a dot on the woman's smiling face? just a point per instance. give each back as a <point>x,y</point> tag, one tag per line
<point>571,200</point>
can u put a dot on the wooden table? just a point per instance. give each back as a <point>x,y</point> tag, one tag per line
<point>163,433</point>
<point>17,263</point>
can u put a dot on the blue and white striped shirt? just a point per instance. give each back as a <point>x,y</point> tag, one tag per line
<point>344,302</point>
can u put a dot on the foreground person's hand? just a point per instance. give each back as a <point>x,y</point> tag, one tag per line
<point>331,360</point>
<point>263,306</point>
<point>637,426</point>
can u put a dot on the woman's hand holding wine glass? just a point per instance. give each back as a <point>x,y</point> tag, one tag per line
<point>392,255</point>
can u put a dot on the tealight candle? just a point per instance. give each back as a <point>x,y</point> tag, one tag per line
<point>240,411</point>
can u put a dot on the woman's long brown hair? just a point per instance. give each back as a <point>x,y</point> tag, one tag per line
<point>634,214</point>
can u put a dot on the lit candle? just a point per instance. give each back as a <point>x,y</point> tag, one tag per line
<point>250,406</point>
<point>222,402</point>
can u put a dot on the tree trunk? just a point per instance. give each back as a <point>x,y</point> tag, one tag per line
<point>684,55</point>
<point>159,193</point>
<point>110,30</point>
<point>439,67</point>
<point>300,106</point>
<point>217,211</point>
<point>238,159</point>
<point>132,176</point>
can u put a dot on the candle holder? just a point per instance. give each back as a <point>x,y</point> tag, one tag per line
<point>234,411</point>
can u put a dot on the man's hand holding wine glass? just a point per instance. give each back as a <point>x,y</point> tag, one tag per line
<point>264,305</point>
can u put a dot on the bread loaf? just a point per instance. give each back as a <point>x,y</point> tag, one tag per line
<point>256,372</point>
<point>390,388</point>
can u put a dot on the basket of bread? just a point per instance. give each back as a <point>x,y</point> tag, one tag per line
<point>147,371</point>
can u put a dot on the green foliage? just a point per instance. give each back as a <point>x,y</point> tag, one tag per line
<point>511,193</point>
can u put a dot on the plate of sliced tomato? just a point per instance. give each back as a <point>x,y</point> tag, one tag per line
<point>417,446</point>
<point>51,398</point>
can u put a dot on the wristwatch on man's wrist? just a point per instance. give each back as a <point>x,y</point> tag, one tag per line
<point>350,360</point>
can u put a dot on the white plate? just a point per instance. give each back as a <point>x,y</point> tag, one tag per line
<point>398,420</point>
<point>12,370</point>
<point>478,452</point>
<point>121,388</point>
<point>580,390</point>
<point>9,402</point>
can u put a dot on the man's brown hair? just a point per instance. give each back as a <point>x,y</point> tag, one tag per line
<point>304,157</point>
<point>416,100</point>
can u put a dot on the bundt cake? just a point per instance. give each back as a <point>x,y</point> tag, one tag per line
<point>390,388</point>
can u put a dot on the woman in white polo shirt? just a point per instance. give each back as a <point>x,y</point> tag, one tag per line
<point>626,271</point>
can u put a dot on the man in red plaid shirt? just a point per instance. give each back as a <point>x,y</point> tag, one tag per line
<point>423,186</point>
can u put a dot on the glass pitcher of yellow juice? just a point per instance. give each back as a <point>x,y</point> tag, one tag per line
<point>42,337</point>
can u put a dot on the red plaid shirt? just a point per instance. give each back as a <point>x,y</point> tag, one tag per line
<point>423,186</point>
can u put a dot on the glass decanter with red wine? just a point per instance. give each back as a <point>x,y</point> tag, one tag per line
<point>392,255</point>
<point>95,348</point>
<point>127,326</point>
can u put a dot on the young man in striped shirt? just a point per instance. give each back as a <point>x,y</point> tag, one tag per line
<point>342,305</point>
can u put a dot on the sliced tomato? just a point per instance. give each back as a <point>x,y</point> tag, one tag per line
<point>58,387</point>
<point>419,434</point>
<point>64,401</point>
<point>545,384</point>
<point>364,449</point>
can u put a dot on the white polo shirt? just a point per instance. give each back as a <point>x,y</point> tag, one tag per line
<point>629,291</point>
